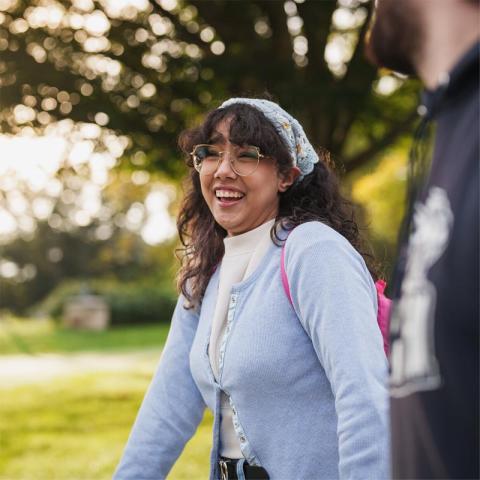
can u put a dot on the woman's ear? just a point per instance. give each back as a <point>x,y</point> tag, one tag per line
<point>287,179</point>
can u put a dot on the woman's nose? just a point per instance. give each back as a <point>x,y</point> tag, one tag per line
<point>224,168</point>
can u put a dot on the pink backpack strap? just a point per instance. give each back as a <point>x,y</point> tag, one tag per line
<point>286,286</point>
<point>384,303</point>
<point>383,316</point>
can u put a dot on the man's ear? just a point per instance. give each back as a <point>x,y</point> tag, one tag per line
<point>287,179</point>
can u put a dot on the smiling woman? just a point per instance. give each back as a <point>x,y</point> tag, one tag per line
<point>296,380</point>
<point>242,193</point>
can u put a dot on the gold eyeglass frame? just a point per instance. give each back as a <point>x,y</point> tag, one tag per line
<point>220,158</point>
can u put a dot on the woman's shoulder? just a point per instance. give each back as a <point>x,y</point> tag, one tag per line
<point>314,246</point>
<point>315,241</point>
<point>315,233</point>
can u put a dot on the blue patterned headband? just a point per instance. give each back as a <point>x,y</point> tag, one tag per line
<point>303,155</point>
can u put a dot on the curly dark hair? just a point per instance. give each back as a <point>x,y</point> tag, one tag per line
<point>316,197</point>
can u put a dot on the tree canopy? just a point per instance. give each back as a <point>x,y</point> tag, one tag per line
<point>113,82</point>
<point>147,69</point>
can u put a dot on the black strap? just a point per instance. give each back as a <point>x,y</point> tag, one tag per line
<point>251,472</point>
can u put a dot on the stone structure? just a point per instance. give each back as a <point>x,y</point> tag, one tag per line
<point>86,311</point>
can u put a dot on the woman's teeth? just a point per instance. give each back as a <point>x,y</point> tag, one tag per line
<point>228,194</point>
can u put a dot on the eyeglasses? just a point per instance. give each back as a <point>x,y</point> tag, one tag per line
<point>244,160</point>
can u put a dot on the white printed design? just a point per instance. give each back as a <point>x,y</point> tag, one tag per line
<point>414,366</point>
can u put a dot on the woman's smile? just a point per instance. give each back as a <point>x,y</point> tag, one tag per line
<point>228,197</point>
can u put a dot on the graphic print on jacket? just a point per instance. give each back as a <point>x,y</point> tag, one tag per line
<point>414,365</point>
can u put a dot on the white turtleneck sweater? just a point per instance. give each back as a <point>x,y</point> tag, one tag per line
<point>242,255</point>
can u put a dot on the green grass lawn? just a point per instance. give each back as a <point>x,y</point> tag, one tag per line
<point>44,336</point>
<point>75,429</point>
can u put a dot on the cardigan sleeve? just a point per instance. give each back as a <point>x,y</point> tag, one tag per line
<point>335,299</point>
<point>171,410</point>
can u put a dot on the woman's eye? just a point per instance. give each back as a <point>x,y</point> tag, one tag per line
<point>248,157</point>
<point>207,152</point>
<point>212,152</point>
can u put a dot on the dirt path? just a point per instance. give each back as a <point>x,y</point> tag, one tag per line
<point>18,370</point>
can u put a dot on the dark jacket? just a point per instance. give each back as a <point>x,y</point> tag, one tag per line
<point>435,335</point>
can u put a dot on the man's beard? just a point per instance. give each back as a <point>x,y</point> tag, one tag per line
<point>394,38</point>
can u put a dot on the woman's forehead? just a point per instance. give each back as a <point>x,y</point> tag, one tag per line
<point>244,126</point>
<point>222,128</point>
<point>217,137</point>
<point>221,132</point>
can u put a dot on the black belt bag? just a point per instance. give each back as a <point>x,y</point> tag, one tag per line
<point>234,469</point>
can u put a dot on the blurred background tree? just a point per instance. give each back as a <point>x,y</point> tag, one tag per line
<point>93,94</point>
<point>116,81</point>
<point>147,69</point>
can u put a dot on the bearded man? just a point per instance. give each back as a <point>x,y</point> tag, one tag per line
<point>434,324</point>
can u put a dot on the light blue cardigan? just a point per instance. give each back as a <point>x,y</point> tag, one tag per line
<point>307,384</point>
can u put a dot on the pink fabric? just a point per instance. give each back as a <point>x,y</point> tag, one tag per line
<point>383,317</point>
<point>384,303</point>
<point>286,286</point>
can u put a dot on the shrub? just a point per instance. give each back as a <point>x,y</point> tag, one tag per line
<point>144,301</point>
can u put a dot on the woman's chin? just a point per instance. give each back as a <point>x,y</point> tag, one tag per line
<point>232,227</point>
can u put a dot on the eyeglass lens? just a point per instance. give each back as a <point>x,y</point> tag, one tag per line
<point>244,160</point>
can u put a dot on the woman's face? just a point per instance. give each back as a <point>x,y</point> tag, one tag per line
<point>257,193</point>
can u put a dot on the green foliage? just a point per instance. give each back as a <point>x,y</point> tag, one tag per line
<point>144,301</point>
<point>76,429</point>
<point>152,71</point>
<point>45,336</point>
<point>381,194</point>
<point>138,303</point>
<point>124,256</point>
